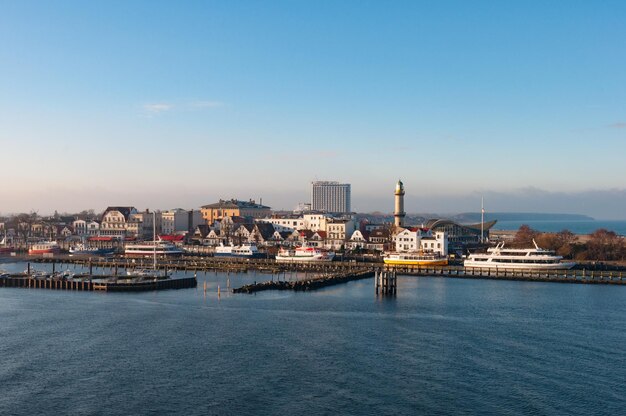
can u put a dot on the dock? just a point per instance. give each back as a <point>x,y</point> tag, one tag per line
<point>317,282</point>
<point>102,283</point>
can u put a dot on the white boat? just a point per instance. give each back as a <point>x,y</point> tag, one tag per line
<point>245,250</point>
<point>44,247</point>
<point>303,254</point>
<point>415,259</point>
<point>146,273</point>
<point>83,249</point>
<point>515,258</point>
<point>152,248</point>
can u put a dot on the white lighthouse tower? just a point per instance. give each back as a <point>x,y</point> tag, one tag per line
<point>399,211</point>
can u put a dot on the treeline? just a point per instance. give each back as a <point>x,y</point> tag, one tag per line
<point>602,244</point>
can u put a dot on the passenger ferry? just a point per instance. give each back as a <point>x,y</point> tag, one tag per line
<point>303,254</point>
<point>514,258</point>
<point>248,251</point>
<point>151,248</point>
<point>44,247</point>
<point>415,259</point>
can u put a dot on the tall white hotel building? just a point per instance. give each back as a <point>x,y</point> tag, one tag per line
<point>330,197</point>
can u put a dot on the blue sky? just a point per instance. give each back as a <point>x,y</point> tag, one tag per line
<point>161,104</point>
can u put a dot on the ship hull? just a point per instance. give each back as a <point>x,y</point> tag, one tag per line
<point>415,262</point>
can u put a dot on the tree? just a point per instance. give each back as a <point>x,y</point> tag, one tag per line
<point>605,245</point>
<point>524,236</point>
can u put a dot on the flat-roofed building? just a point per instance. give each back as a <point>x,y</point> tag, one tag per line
<point>330,197</point>
<point>233,208</point>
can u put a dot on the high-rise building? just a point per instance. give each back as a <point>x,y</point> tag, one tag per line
<point>330,197</point>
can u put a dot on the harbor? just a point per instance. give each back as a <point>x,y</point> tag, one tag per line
<point>122,274</point>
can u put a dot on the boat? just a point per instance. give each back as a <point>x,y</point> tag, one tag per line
<point>415,259</point>
<point>82,249</point>
<point>516,258</point>
<point>152,248</point>
<point>303,254</point>
<point>4,274</point>
<point>248,250</point>
<point>146,273</point>
<point>4,248</point>
<point>44,247</point>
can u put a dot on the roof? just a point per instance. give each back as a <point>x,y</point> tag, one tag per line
<point>125,211</point>
<point>170,237</point>
<point>265,229</point>
<point>438,221</point>
<point>235,203</point>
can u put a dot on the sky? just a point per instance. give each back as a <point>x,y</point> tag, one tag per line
<point>178,104</point>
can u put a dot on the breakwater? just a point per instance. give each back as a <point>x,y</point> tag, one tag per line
<point>317,282</point>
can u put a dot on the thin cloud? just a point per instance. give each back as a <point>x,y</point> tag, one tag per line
<point>157,108</point>
<point>620,125</point>
<point>206,104</point>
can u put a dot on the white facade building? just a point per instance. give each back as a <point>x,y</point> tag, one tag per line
<point>80,227</point>
<point>418,239</point>
<point>178,221</point>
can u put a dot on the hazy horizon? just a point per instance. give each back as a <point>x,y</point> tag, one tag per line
<point>596,204</point>
<point>157,105</point>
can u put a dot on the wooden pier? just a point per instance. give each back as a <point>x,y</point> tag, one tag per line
<point>317,282</point>
<point>615,277</point>
<point>328,272</point>
<point>386,281</point>
<point>103,283</point>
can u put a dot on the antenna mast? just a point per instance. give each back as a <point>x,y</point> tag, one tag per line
<point>482,219</point>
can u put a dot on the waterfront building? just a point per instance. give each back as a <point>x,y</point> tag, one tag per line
<point>142,225</point>
<point>177,221</point>
<point>460,235</point>
<point>63,231</point>
<point>314,221</point>
<point>286,223</point>
<point>114,221</point>
<point>358,239</point>
<point>338,231</point>
<point>233,208</point>
<point>417,239</point>
<point>80,227</point>
<point>93,228</point>
<point>331,197</point>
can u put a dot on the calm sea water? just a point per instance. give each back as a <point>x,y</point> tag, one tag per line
<point>442,346</point>
<point>577,227</point>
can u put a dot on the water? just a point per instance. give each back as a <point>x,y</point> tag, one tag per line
<point>442,346</point>
<point>577,227</point>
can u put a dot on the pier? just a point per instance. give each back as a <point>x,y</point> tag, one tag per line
<point>316,282</point>
<point>317,275</point>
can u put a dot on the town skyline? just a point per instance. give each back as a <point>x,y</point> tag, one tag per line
<point>159,106</point>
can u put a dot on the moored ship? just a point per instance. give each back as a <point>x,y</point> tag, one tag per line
<point>303,254</point>
<point>415,259</point>
<point>44,247</point>
<point>515,258</point>
<point>82,249</point>
<point>248,251</point>
<point>151,248</point>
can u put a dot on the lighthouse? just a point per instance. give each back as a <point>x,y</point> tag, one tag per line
<point>399,211</point>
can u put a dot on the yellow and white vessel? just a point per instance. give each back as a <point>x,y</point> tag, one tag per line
<point>415,259</point>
